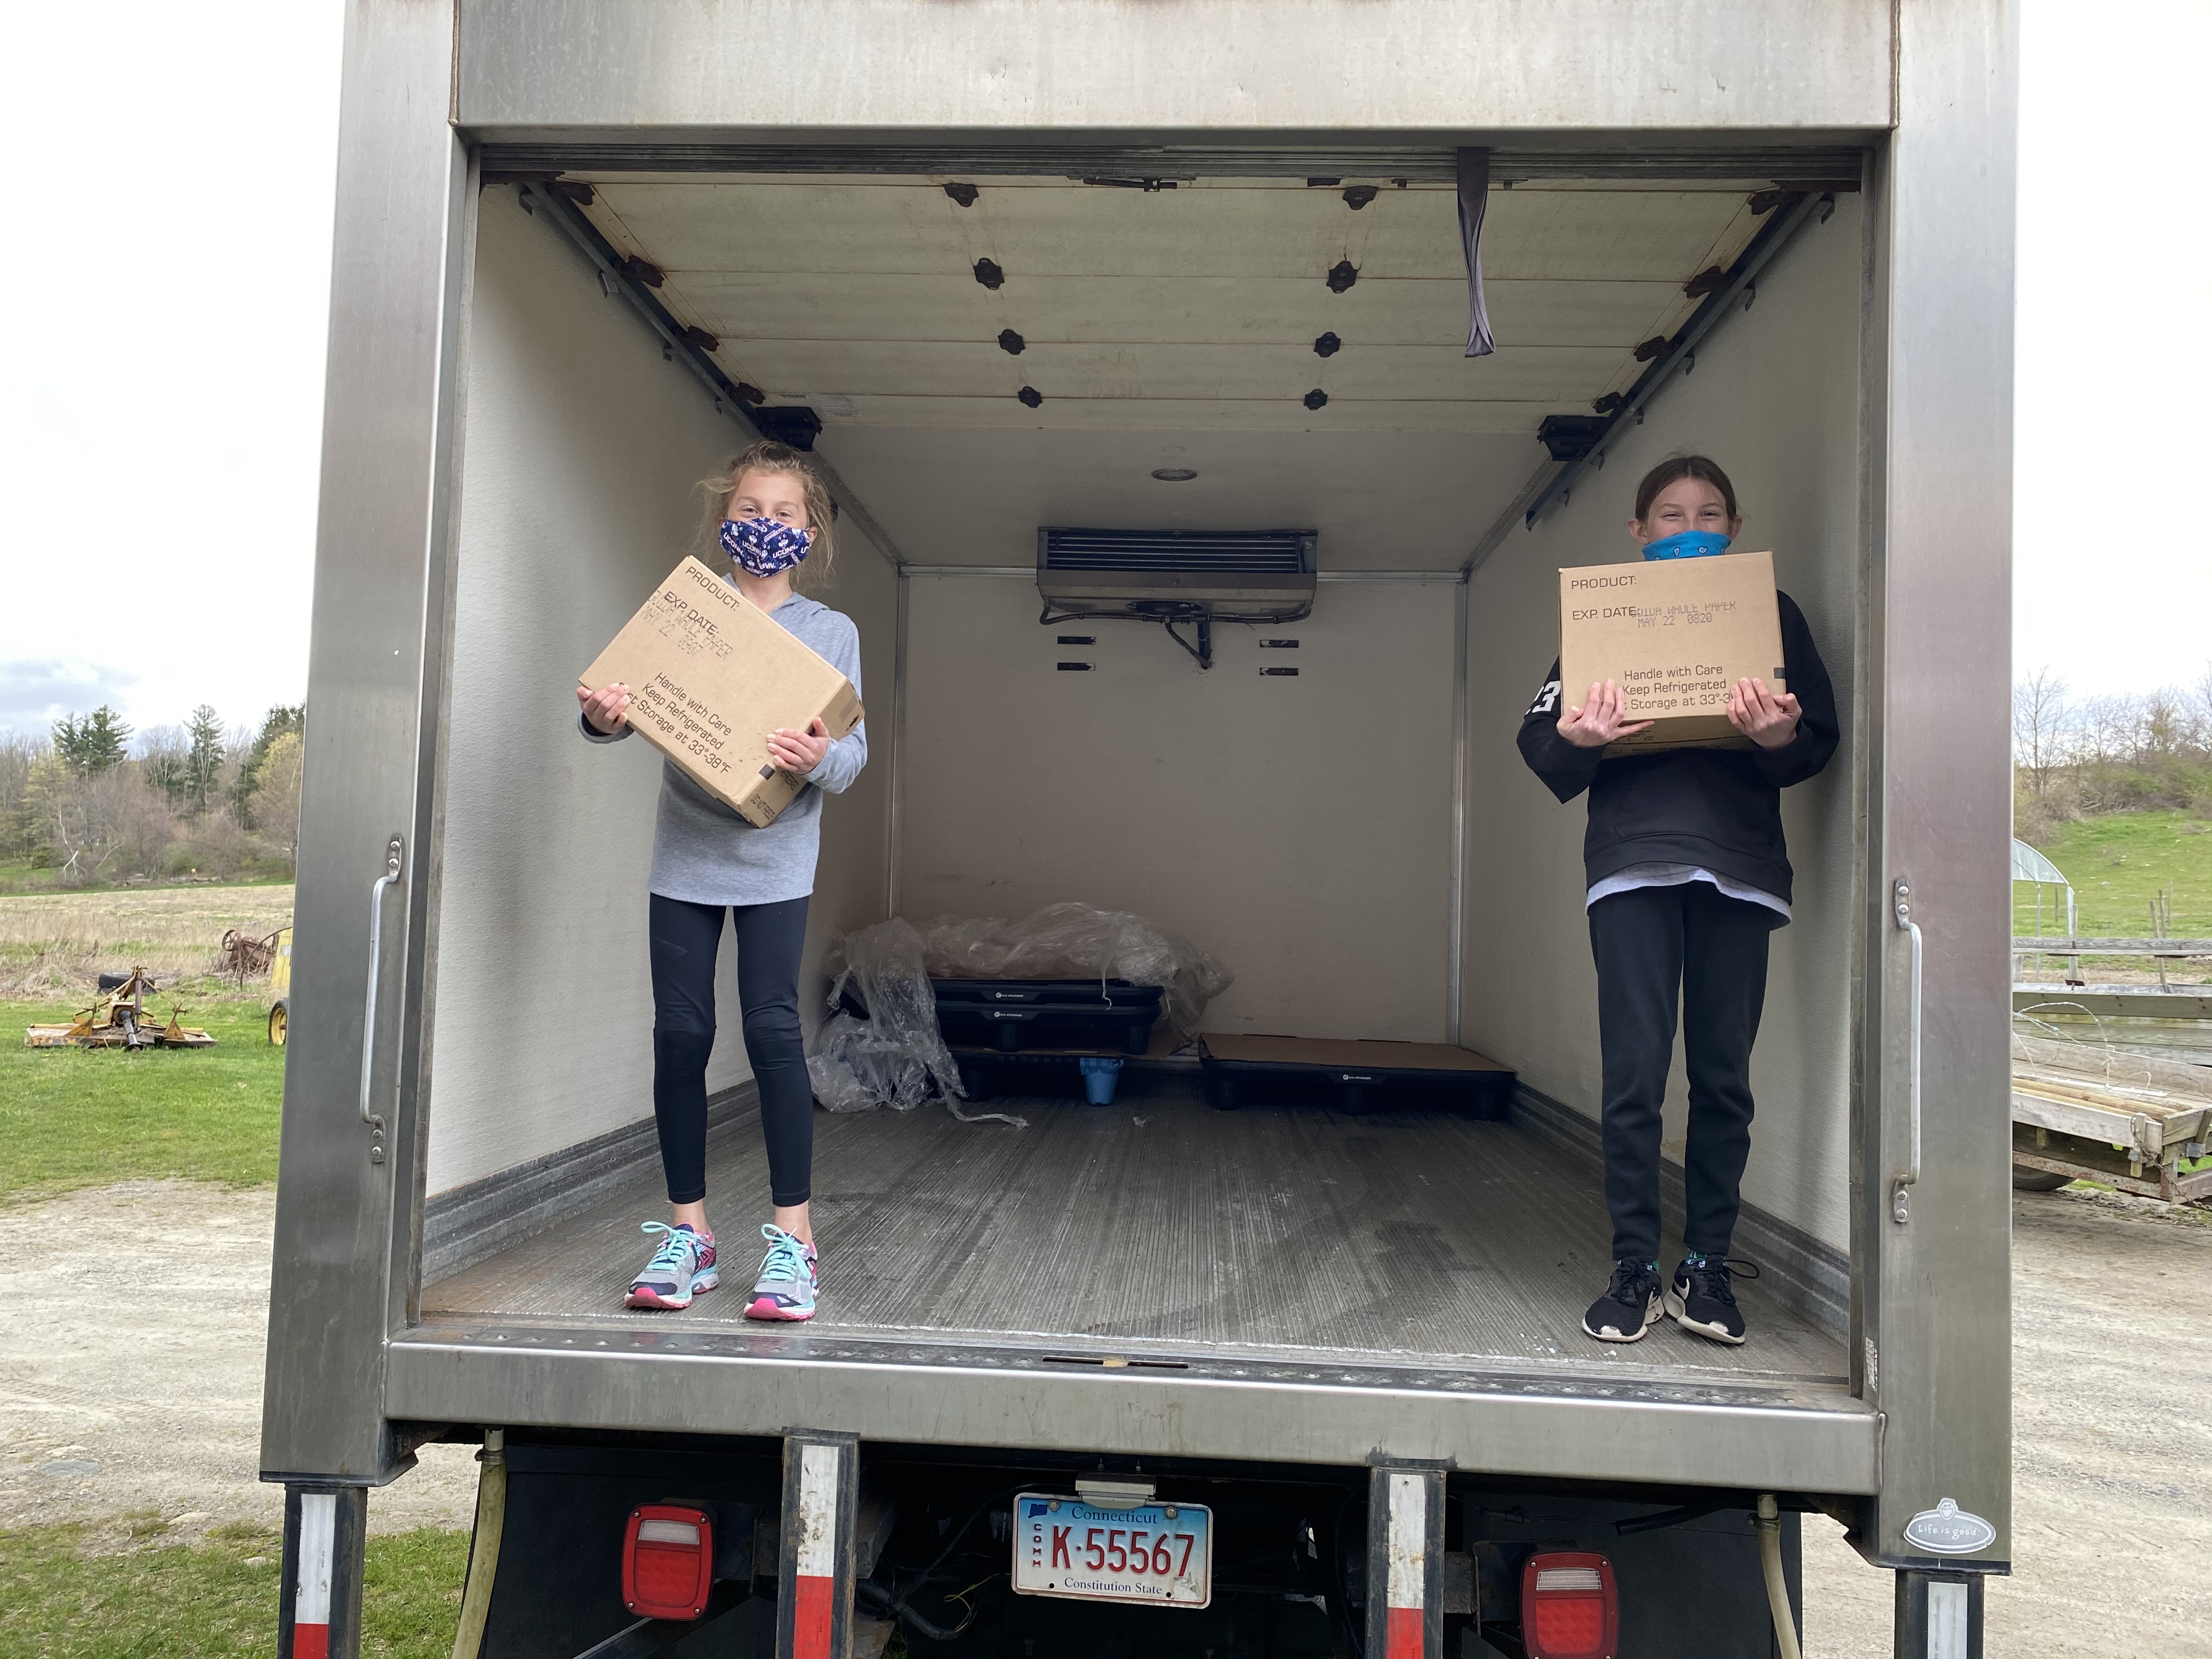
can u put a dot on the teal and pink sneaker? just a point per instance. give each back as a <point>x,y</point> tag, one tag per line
<point>787,1279</point>
<point>683,1267</point>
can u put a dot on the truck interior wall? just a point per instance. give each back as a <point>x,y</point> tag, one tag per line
<point>850,880</point>
<point>1297,826</point>
<point>1774,399</point>
<point>581,454</point>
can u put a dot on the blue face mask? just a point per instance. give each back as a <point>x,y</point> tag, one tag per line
<point>763,547</point>
<point>1689,544</point>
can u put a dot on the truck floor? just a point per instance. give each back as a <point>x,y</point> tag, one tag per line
<point>1160,1226</point>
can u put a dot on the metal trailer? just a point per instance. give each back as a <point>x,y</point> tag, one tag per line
<point>2099,1109</point>
<point>2139,1127</point>
<point>1396,1491</point>
<point>2038,948</point>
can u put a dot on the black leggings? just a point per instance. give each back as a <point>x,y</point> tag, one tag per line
<point>1658,948</point>
<point>770,939</point>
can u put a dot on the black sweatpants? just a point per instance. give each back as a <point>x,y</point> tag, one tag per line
<point>771,938</point>
<point>1656,947</point>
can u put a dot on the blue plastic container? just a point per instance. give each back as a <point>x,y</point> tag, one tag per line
<point>1099,1076</point>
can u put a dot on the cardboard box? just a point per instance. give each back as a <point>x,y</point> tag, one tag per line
<point>1675,634</point>
<point>711,674</point>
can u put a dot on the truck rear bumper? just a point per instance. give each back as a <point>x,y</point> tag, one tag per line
<point>1568,1425</point>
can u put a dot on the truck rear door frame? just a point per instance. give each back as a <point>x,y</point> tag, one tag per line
<point>1927,84</point>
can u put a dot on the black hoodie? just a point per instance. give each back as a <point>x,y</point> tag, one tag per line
<point>1720,809</point>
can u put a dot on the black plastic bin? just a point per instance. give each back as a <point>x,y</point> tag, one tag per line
<point>987,1073</point>
<point>1012,1015</point>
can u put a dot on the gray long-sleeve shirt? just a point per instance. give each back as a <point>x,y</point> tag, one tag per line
<point>703,852</point>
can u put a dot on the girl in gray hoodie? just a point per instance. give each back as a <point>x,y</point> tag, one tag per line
<point>769,511</point>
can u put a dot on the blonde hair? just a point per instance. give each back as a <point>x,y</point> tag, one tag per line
<point>769,456</point>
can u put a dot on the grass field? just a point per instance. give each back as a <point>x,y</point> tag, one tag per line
<point>38,878</point>
<point>52,943</point>
<point>72,1117</point>
<point>59,1600</point>
<point>2117,864</point>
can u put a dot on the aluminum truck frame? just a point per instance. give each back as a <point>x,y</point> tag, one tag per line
<point>435,90</point>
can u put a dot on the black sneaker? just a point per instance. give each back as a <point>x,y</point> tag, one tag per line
<point>1701,1299</point>
<point>1628,1307</point>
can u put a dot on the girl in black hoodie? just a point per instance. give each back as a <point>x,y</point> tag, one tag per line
<point>1687,875</point>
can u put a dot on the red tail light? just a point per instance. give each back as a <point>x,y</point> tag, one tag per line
<point>668,1561</point>
<point>1569,1607</point>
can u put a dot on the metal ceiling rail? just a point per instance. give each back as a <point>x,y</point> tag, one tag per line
<point>1553,481</point>
<point>1129,163</point>
<point>1515,513</point>
<point>676,349</point>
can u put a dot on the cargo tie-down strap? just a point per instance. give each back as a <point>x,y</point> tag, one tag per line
<point>1474,199</point>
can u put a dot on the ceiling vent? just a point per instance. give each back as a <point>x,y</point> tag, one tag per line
<point>1171,576</point>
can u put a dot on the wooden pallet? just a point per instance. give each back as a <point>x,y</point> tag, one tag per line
<point>1243,1068</point>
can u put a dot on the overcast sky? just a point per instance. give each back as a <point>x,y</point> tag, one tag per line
<point>161,382</point>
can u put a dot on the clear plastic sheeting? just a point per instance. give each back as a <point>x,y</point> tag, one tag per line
<point>1079,941</point>
<point>895,1057</point>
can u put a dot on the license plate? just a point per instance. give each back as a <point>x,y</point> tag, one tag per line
<point>1157,1552</point>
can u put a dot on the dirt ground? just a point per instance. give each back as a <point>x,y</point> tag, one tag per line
<point>2112,1447</point>
<point>131,1384</point>
<point>130,1366</point>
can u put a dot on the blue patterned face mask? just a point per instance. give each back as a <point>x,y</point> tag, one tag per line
<point>764,546</point>
<point>1688,544</point>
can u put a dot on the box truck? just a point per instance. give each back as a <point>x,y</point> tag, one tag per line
<point>1157,313</point>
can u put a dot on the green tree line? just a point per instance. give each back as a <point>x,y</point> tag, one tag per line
<point>2075,758</point>
<point>95,803</point>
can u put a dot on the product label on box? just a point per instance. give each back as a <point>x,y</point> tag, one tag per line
<point>687,626</point>
<point>710,675</point>
<point>683,721</point>
<point>1675,636</point>
<point>1690,688</point>
<point>1680,614</point>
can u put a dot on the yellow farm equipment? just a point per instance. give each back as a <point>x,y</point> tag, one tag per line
<point>280,985</point>
<point>119,1020</point>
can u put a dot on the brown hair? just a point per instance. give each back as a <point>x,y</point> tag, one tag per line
<point>769,456</point>
<point>1673,470</point>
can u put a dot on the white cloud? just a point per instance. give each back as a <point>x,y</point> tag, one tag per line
<point>160,394</point>
<point>35,692</point>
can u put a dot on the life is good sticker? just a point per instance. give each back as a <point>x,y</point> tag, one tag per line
<point>1946,1529</point>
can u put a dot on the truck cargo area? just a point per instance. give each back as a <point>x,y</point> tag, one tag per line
<point>1332,805</point>
<point>1160,1230</point>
